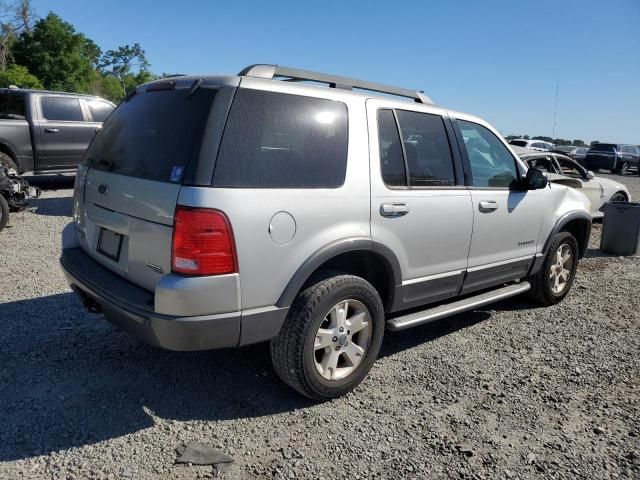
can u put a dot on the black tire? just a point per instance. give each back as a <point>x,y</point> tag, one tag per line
<point>541,291</point>
<point>619,197</point>
<point>623,169</point>
<point>8,161</point>
<point>292,351</point>
<point>4,212</point>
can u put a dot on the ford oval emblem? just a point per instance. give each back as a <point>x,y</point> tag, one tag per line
<point>103,189</point>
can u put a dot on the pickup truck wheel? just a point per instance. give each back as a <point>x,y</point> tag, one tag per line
<point>553,282</point>
<point>623,169</point>
<point>7,161</point>
<point>4,212</point>
<point>330,338</point>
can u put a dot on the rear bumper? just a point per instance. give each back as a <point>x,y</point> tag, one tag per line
<point>130,308</point>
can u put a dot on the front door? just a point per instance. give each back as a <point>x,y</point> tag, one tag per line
<point>506,219</point>
<point>420,208</point>
<point>64,133</point>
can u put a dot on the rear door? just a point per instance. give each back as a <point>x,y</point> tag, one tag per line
<point>64,132</point>
<point>420,207</point>
<point>506,220</point>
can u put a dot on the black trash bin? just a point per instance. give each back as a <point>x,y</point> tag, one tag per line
<point>621,228</point>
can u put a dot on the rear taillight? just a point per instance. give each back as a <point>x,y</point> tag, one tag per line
<point>202,242</point>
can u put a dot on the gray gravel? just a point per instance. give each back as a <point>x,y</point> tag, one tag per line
<point>510,391</point>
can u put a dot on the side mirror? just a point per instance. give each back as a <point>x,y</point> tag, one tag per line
<point>590,175</point>
<point>535,179</point>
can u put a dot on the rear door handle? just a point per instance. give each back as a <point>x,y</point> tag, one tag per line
<point>394,209</point>
<point>51,130</point>
<point>488,206</point>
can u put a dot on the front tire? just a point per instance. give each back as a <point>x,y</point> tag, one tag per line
<point>330,338</point>
<point>554,280</point>
<point>7,161</point>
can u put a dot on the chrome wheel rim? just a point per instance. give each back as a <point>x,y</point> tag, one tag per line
<point>561,269</point>
<point>342,340</point>
<point>618,197</point>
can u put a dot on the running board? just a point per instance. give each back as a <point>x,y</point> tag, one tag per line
<point>441,311</point>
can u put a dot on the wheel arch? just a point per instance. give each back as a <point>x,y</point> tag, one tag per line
<point>578,224</point>
<point>7,150</point>
<point>357,256</point>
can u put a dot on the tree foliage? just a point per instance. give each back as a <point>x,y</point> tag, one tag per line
<point>128,64</point>
<point>58,55</point>
<point>16,19</point>
<point>19,76</point>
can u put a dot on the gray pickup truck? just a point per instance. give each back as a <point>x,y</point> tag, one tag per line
<point>47,131</point>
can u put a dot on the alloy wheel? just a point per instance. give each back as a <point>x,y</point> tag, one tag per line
<point>618,197</point>
<point>342,340</point>
<point>561,269</point>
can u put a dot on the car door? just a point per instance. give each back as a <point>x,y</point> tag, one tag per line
<point>64,132</point>
<point>506,219</point>
<point>420,208</point>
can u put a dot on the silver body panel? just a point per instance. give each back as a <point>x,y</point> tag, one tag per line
<point>444,246</point>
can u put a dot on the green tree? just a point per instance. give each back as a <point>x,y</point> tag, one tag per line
<point>16,19</point>
<point>594,143</point>
<point>19,76</point>
<point>128,64</point>
<point>60,57</point>
<point>578,143</point>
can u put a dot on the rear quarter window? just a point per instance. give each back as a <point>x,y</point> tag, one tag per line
<point>276,140</point>
<point>12,106</point>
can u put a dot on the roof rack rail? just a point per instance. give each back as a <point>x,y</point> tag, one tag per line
<point>271,72</point>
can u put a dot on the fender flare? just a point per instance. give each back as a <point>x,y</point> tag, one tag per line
<point>332,250</point>
<point>560,223</point>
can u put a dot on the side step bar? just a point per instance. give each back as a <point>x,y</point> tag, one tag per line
<point>441,311</point>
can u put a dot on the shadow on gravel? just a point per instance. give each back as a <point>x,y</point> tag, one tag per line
<point>69,379</point>
<point>51,182</point>
<point>57,207</point>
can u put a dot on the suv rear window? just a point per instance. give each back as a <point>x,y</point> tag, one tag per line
<point>518,143</point>
<point>276,140</point>
<point>603,147</point>
<point>153,135</point>
<point>12,106</point>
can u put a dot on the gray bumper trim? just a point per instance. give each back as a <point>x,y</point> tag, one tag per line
<point>130,308</point>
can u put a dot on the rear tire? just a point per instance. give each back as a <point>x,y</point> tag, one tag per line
<point>331,336</point>
<point>554,280</point>
<point>7,161</point>
<point>4,212</point>
<point>623,169</point>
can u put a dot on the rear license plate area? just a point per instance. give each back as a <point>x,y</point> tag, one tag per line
<point>109,244</point>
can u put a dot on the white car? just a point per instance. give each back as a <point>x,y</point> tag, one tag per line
<point>537,145</point>
<point>565,171</point>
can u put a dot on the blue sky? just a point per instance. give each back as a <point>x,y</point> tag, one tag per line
<point>499,59</point>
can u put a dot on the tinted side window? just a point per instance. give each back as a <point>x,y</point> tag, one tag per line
<point>12,106</point>
<point>276,140</point>
<point>62,108</point>
<point>99,110</point>
<point>491,163</point>
<point>427,148</point>
<point>391,159</point>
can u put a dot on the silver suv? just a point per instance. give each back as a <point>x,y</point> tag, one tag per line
<point>223,211</point>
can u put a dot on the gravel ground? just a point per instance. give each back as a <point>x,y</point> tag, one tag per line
<point>509,391</point>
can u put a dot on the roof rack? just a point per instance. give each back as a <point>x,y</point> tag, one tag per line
<point>271,72</point>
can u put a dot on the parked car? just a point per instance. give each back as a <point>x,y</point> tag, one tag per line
<point>576,153</point>
<point>220,211</point>
<point>44,131</point>
<point>537,145</point>
<point>614,157</point>
<point>565,171</point>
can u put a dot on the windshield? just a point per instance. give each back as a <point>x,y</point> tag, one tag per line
<point>12,105</point>
<point>152,135</point>
<point>604,147</point>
